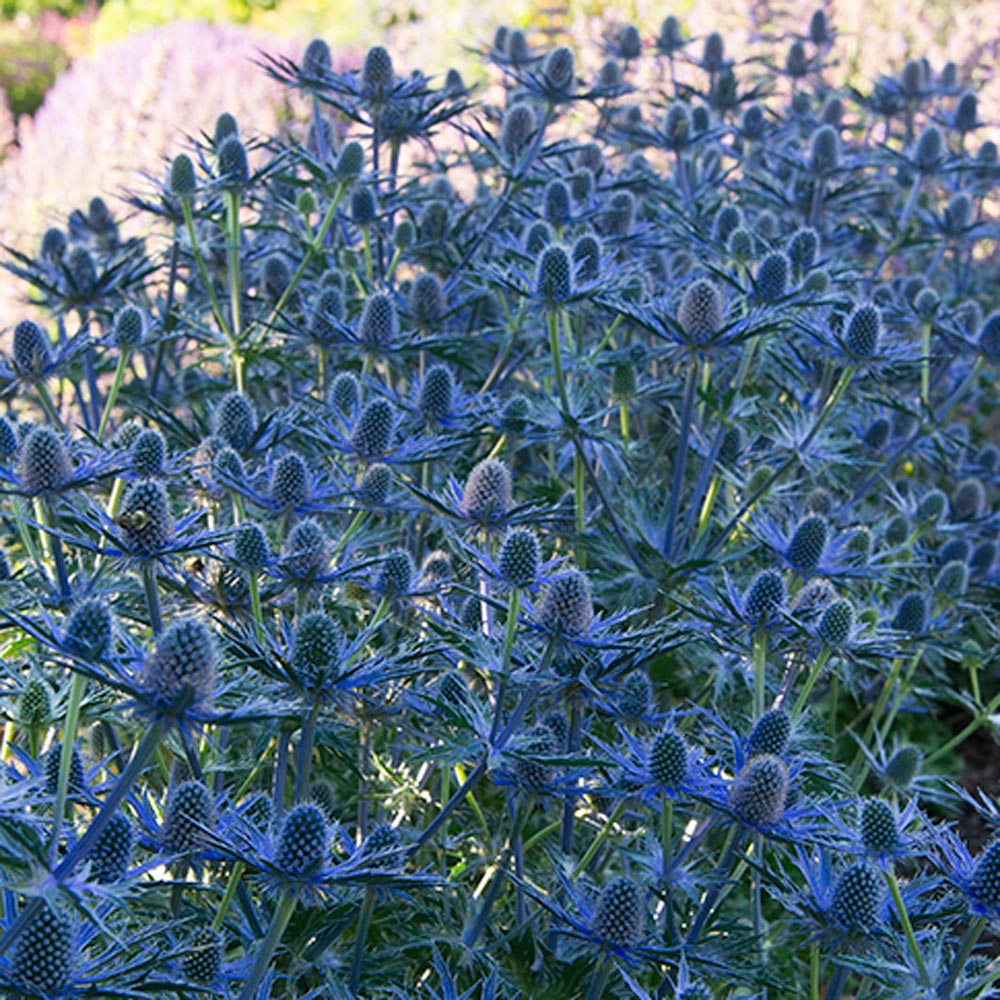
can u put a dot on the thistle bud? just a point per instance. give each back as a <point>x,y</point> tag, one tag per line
<point>202,962</point>
<point>44,466</point>
<point>764,597</point>
<point>379,324</point>
<point>713,53</point>
<point>188,818</point>
<point>488,494</point>
<point>306,552</point>
<point>382,847</point>
<point>518,126</point>
<point>426,301</point>
<point>377,75</point>
<point>144,518</point>
<point>129,328</point>
<point>984,886</point>
<point>289,485</point>
<point>112,851</point>
<point>930,150</point>
<point>32,353</point>
<point>807,545</point>
<point>635,696</point>
<point>362,206</point>
<point>558,70</point>
<point>82,271</point>
<point>89,630</point>
<point>903,766</point>
<point>234,421</point>
<point>53,762</point>
<point>824,151</point>
<point>760,791</point>
<point>53,244</point>
<point>514,417</point>
<point>520,556</point>
<point>556,206</point>
<point>373,490</point>
<point>250,548</point>
<point>43,959</point>
<point>182,178</point>
<point>878,827</point>
<point>619,918</point>
<point>668,759</point>
<point>803,249</point>
<point>303,841</point>
<point>351,160</point>
<point>864,328</point>
<point>234,171</point>
<point>587,258</point>
<point>182,665</point>
<point>554,275</point>
<point>836,623</point>
<point>857,896</point>
<point>35,704</point>
<point>148,453</point>
<point>373,429</point>
<point>566,605</point>
<point>701,311</point>
<point>343,393</point>
<point>619,216</point>
<point>911,613</point>
<point>770,734</point>
<point>317,61</point>
<point>772,277</point>
<point>395,575</point>
<point>966,112</point>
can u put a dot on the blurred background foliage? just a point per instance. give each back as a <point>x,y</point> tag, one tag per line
<point>103,85</point>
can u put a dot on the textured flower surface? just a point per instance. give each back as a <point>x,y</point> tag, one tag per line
<point>536,538</point>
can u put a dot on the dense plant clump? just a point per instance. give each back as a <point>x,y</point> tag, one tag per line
<point>539,545</point>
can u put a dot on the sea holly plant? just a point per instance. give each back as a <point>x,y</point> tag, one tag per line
<point>537,541</point>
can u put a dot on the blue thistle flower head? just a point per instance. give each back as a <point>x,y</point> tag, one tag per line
<point>619,918</point>
<point>44,465</point>
<point>304,840</point>
<point>43,961</point>
<point>188,819</point>
<point>378,328</point>
<point>180,672</point>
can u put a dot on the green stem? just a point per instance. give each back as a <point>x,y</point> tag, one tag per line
<point>227,900</point>
<point>901,693</point>
<point>149,586</point>
<point>556,351</point>
<point>759,671</point>
<point>972,935</point>
<point>48,406</point>
<point>77,688</point>
<point>258,613</point>
<point>364,922</point>
<point>306,752</point>
<point>203,271</point>
<point>595,844</point>
<point>314,247</point>
<point>925,364</point>
<point>680,459</point>
<point>904,919</point>
<point>232,198</point>
<point>814,675</point>
<point>116,385</point>
<point>279,921</point>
